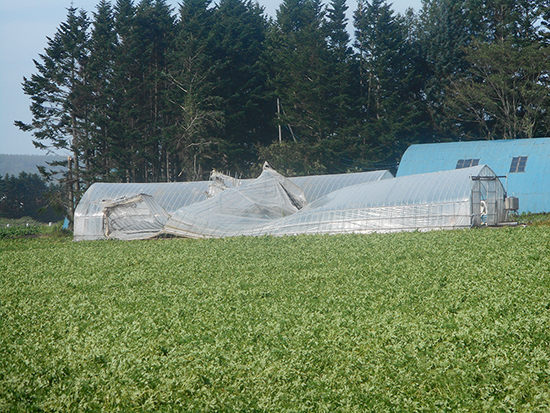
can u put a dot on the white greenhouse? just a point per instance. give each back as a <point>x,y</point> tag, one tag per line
<point>274,205</point>
<point>92,213</point>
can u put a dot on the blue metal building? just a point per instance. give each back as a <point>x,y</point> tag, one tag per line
<point>522,164</point>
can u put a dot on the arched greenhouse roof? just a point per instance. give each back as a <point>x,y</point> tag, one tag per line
<point>275,205</point>
<point>89,215</point>
<point>424,201</point>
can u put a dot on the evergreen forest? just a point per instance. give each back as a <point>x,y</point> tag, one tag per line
<point>140,92</point>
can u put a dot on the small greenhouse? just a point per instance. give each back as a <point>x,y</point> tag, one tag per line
<point>90,221</point>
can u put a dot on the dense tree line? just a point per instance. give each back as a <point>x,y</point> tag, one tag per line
<point>27,195</point>
<point>141,93</point>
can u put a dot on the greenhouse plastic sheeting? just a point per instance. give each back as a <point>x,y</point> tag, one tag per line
<point>92,223</point>
<point>89,215</point>
<point>442,200</point>
<point>134,218</point>
<point>239,211</point>
<point>317,186</point>
<point>275,205</point>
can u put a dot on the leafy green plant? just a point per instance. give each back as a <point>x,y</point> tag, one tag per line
<point>438,321</point>
<point>16,232</point>
<point>530,218</point>
<point>26,227</point>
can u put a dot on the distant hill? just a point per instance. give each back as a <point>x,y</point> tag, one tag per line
<point>14,164</point>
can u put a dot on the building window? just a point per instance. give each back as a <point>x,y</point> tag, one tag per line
<point>466,163</point>
<point>518,164</point>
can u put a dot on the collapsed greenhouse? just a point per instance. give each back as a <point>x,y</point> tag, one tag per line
<point>274,205</point>
<point>91,221</point>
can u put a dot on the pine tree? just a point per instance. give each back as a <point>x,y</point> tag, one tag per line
<point>444,29</point>
<point>100,71</point>
<point>145,34</point>
<point>238,38</point>
<point>197,119</point>
<point>299,56</point>
<point>152,34</point>
<point>391,80</point>
<point>125,92</point>
<point>342,84</point>
<point>60,102</point>
<point>380,41</point>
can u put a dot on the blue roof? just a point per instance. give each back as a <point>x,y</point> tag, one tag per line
<point>531,186</point>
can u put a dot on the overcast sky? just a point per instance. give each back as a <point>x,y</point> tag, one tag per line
<point>24,26</point>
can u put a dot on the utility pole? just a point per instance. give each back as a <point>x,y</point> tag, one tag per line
<point>279,117</point>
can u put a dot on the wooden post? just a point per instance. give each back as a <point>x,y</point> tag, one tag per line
<point>70,187</point>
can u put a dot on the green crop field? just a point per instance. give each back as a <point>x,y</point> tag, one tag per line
<point>408,322</point>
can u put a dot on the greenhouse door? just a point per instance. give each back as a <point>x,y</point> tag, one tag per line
<point>492,214</point>
<point>484,200</point>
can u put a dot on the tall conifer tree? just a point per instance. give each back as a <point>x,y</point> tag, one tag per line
<point>197,119</point>
<point>444,30</point>
<point>126,75</point>
<point>100,71</point>
<point>237,48</point>
<point>59,100</point>
<point>299,55</point>
<point>152,34</point>
<point>391,79</point>
<point>341,84</point>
